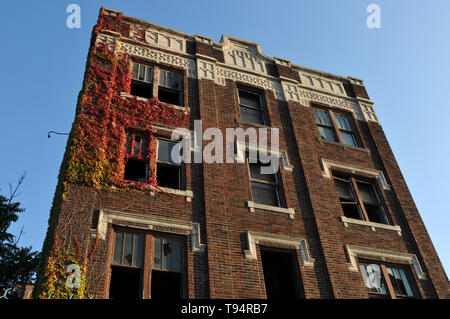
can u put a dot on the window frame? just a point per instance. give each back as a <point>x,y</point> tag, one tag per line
<point>336,130</point>
<point>134,234</point>
<point>143,82</point>
<point>390,291</point>
<point>151,164</point>
<point>155,83</point>
<point>353,181</point>
<point>178,91</point>
<point>261,110</point>
<point>181,180</point>
<point>276,184</point>
<point>148,252</point>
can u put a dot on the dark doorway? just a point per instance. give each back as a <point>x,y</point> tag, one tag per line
<point>166,285</point>
<point>280,274</point>
<point>125,283</point>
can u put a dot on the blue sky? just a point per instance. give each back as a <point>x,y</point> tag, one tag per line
<point>405,65</point>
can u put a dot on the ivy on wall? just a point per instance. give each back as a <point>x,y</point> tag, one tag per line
<point>95,154</point>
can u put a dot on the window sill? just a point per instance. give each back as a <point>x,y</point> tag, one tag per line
<point>252,205</point>
<point>178,107</point>
<point>373,226</point>
<point>186,193</point>
<point>344,146</point>
<point>253,124</point>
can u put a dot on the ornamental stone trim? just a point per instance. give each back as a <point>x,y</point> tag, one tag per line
<point>151,223</point>
<point>353,252</point>
<point>299,244</point>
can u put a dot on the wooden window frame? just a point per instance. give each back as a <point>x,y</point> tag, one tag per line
<point>276,184</point>
<point>156,79</point>
<point>353,180</point>
<point>390,292</point>
<point>335,127</point>
<point>134,234</point>
<point>178,91</point>
<point>148,258</point>
<point>139,156</point>
<point>181,178</point>
<point>262,104</point>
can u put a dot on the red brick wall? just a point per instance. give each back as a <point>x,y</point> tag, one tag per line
<point>221,192</point>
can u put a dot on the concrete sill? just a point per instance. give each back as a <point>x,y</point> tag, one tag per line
<point>344,146</point>
<point>181,108</point>
<point>252,205</point>
<point>373,226</point>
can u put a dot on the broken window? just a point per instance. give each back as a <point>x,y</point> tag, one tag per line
<point>136,160</point>
<point>281,274</point>
<point>127,266</point>
<point>169,88</point>
<point>142,81</point>
<point>264,186</point>
<point>359,198</point>
<point>167,273</point>
<point>168,169</point>
<point>251,107</point>
<point>384,281</point>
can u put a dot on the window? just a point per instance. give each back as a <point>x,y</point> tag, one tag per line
<point>251,107</point>
<point>169,88</point>
<point>137,161</point>
<point>264,186</point>
<point>335,127</point>
<point>127,266</point>
<point>136,158</point>
<point>384,281</point>
<point>281,276</point>
<point>325,125</point>
<point>359,198</point>
<point>142,81</point>
<point>167,273</point>
<point>154,270</point>
<point>168,171</point>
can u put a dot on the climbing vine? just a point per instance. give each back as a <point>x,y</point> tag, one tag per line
<point>97,146</point>
<point>96,151</point>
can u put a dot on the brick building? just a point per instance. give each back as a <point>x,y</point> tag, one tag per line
<point>336,221</point>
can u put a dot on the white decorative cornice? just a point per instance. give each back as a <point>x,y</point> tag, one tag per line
<point>150,223</point>
<point>299,244</point>
<point>322,83</point>
<point>223,73</point>
<point>354,252</point>
<point>158,57</point>
<point>243,54</point>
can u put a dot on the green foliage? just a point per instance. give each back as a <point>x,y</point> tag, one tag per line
<point>17,264</point>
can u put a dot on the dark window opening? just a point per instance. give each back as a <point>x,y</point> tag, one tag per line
<point>167,274</point>
<point>359,198</point>
<point>141,89</point>
<point>168,176</point>
<point>125,283</point>
<point>169,96</point>
<point>136,170</point>
<point>166,285</point>
<point>351,211</point>
<point>280,274</point>
<point>168,169</point>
